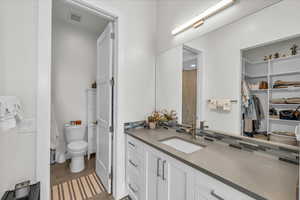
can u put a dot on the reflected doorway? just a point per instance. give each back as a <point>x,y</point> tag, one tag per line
<point>189,85</point>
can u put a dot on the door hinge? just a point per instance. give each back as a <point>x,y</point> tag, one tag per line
<point>110,176</point>
<point>112,35</point>
<point>111,129</point>
<point>112,81</point>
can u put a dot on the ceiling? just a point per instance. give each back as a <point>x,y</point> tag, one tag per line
<point>62,10</point>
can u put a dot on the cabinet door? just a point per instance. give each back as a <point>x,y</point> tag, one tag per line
<point>168,179</point>
<point>153,172</point>
<point>163,180</point>
<point>179,180</point>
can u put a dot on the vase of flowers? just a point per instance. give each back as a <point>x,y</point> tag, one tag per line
<point>170,117</point>
<point>154,119</point>
<point>151,122</point>
<point>164,117</point>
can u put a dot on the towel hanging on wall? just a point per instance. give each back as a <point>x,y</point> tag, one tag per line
<point>212,104</point>
<point>226,104</point>
<point>221,104</point>
<point>10,112</point>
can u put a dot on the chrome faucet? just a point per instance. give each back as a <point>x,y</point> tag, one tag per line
<point>194,131</point>
<point>191,128</point>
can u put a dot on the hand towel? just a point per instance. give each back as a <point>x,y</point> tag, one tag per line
<point>226,104</point>
<point>10,105</point>
<point>10,111</point>
<point>219,103</point>
<point>212,104</point>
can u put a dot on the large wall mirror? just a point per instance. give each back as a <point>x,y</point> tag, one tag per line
<point>240,83</point>
<point>179,83</point>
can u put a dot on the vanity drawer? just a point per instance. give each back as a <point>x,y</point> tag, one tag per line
<point>135,186</point>
<point>209,188</point>
<point>135,145</point>
<point>135,163</point>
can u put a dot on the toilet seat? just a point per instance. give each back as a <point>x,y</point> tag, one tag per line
<point>77,146</point>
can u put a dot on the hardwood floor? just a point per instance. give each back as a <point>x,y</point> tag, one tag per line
<point>61,173</point>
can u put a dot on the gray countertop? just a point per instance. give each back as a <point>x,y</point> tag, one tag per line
<point>258,175</point>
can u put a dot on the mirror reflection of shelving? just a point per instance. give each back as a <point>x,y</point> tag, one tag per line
<point>276,83</point>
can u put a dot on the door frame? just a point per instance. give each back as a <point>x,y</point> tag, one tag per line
<point>43,109</point>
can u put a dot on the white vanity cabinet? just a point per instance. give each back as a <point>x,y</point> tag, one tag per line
<point>136,169</point>
<point>154,175</point>
<point>208,188</point>
<point>156,185</point>
<point>168,179</point>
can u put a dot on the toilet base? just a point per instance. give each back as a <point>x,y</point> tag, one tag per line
<point>77,164</point>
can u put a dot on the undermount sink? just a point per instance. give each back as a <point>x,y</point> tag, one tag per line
<point>181,145</point>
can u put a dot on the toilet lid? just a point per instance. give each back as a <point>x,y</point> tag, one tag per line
<point>77,146</point>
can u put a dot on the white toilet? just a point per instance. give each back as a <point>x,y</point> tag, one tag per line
<point>76,146</point>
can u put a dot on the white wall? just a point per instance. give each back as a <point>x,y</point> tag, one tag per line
<point>136,61</point>
<point>221,51</point>
<point>18,19</point>
<point>73,71</point>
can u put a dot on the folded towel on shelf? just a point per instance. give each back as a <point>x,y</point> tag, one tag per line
<point>293,100</point>
<point>297,132</point>
<point>285,84</point>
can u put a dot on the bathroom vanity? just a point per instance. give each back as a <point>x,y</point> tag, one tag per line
<point>201,81</point>
<point>158,170</point>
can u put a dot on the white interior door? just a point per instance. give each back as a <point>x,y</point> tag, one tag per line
<point>104,106</point>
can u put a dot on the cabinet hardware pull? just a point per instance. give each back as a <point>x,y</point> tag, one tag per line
<point>163,175</point>
<point>133,145</point>
<point>157,167</point>
<point>131,162</point>
<point>212,193</point>
<point>133,190</point>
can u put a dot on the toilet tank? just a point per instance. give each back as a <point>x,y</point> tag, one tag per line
<point>74,132</point>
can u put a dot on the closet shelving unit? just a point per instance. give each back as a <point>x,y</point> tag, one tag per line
<point>286,69</point>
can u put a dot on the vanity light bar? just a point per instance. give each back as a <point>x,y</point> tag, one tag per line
<point>199,20</point>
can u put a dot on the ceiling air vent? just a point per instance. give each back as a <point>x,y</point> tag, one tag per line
<point>75,17</point>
